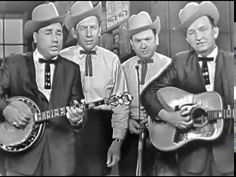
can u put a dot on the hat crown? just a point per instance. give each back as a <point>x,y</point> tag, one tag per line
<point>194,10</point>
<point>81,7</point>
<point>45,12</point>
<point>187,11</point>
<point>140,20</point>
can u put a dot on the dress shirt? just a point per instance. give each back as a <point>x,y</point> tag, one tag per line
<point>39,74</point>
<point>159,64</point>
<point>108,79</point>
<point>211,68</point>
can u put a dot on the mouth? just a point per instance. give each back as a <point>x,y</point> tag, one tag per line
<point>145,52</point>
<point>201,43</point>
<point>54,47</point>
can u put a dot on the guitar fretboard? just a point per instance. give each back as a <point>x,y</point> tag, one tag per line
<point>220,114</point>
<point>47,115</point>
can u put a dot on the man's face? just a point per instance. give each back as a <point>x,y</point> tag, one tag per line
<point>49,40</point>
<point>87,32</point>
<point>201,36</point>
<point>144,44</point>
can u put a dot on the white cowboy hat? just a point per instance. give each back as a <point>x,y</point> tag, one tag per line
<point>141,22</point>
<point>81,10</point>
<point>42,15</point>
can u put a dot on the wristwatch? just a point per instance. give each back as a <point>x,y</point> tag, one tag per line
<point>118,140</point>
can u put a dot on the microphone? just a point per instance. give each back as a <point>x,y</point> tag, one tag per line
<point>141,134</point>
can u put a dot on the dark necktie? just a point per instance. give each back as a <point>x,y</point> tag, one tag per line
<point>144,66</point>
<point>88,62</point>
<point>47,73</point>
<point>205,71</point>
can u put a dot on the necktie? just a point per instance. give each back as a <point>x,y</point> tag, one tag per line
<point>88,62</point>
<point>205,71</point>
<point>144,66</point>
<point>47,73</point>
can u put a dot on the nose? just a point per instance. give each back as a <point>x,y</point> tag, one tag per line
<point>143,44</point>
<point>89,33</point>
<point>55,37</point>
<point>198,35</point>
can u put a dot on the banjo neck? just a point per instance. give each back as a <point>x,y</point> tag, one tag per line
<point>47,115</point>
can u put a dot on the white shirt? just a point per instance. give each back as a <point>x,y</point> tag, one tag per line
<point>39,74</point>
<point>211,68</point>
<point>108,79</point>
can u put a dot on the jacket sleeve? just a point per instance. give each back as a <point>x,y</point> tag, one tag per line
<point>4,84</point>
<point>149,98</point>
<point>77,94</point>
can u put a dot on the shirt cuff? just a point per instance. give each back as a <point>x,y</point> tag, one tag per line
<point>119,134</point>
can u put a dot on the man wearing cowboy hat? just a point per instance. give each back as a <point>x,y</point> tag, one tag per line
<point>102,77</point>
<point>143,35</point>
<point>51,82</point>
<point>190,71</point>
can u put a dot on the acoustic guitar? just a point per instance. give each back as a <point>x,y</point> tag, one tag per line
<point>207,118</point>
<point>13,139</point>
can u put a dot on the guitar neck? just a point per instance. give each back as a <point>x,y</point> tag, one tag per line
<point>47,115</point>
<point>220,114</point>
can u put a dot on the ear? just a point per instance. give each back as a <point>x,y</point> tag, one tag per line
<point>73,32</point>
<point>99,31</point>
<point>131,43</point>
<point>187,40</point>
<point>35,37</point>
<point>157,39</point>
<point>215,32</point>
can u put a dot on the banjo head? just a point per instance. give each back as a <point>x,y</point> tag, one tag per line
<point>14,139</point>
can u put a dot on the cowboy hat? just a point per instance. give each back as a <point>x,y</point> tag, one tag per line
<point>81,10</point>
<point>193,10</point>
<point>141,22</point>
<point>42,15</point>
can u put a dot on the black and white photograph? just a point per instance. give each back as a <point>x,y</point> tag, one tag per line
<point>117,88</point>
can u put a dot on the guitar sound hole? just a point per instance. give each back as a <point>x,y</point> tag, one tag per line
<point>198,115</point>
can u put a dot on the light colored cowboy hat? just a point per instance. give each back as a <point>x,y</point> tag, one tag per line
<point>42,15</point>
<point>81,10</point>
<point>193,10</point>
<point>141,22</point>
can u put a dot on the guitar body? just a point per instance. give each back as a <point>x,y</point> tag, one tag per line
<point>13,139</point>
<point>166,137</point>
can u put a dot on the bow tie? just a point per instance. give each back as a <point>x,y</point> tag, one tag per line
<point>205,59</point>
<point>145,61</point>
<point>47,73</point>
<point>144,65</point>
<point>88,62</point>
<point>41,60</point>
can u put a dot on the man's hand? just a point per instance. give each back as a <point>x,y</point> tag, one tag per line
<point>15,117</point>
<point>134,125</point>
<point>113,154</point>
<point>180,119</point>
<point>75,115</point>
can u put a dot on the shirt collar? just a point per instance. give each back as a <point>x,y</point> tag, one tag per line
<point>213,54</point>
<point>37,55</point>
<point>81,48</point>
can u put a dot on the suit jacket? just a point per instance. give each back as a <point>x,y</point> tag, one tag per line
<point>57,146</point>
<point>185,73</point>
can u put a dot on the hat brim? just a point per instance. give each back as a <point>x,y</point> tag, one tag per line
<point>72,20</point>
<point>31,26</point>
<point>204,10</point>
<point>156,25</point>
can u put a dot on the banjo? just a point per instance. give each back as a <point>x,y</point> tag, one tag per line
<point>13,139</point>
